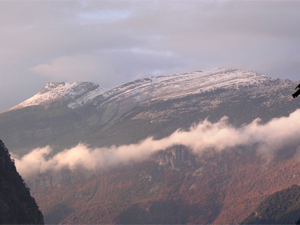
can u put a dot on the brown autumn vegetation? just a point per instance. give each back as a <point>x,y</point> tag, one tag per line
<point>215,188</point>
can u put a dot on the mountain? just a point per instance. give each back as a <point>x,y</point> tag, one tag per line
<point>16,204</point>
<point>279,208</point>
<point>172,185</point>
<point>74,94</point>
<point>77,94</point>
<point>64,114</point>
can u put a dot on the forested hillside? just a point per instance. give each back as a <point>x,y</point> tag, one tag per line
<point>282,207</point>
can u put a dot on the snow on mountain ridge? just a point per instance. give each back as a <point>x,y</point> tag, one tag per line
<point>167,87</point>
<point>50,92</point>
<point>76,94</point>
<point>83,93</point>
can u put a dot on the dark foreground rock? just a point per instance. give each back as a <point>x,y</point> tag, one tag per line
<point>16,204</point>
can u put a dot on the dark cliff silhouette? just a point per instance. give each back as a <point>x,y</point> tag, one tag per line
<point>297,92</point>
<point>16,204</point>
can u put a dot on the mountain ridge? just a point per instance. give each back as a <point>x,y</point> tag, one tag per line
<point>155,106</point>
<point>77,94</point>
<point>74,93</point>
<point>217,187</point>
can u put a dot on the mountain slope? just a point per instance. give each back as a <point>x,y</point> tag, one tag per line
<point>282,207</point>
<point>16,204</point>
<point>75,94</point>
<point>83,112</point>
<point>175,185</point>
<point>161,88</point>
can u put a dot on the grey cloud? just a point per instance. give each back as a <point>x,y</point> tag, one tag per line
<point>110,67</point>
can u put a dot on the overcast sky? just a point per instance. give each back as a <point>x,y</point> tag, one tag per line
<point>113,42</point>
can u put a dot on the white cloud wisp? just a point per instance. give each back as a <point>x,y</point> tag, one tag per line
<point>269,138</point>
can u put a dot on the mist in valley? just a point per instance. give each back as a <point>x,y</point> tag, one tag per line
<point>268,138</point>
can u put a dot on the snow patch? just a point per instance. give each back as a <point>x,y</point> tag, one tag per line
<point>75,94</point>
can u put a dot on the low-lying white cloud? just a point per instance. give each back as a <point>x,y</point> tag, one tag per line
<point>269,137</point>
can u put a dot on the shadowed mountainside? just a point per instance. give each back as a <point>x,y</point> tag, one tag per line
<point>282,207</point>
<point>16,204</point>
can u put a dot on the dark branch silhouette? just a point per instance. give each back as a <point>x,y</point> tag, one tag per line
<point>297,92</point>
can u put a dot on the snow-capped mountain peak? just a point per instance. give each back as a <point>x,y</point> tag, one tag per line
<point>75,93</point>
<point>158,88</point>
<point>163,88</point>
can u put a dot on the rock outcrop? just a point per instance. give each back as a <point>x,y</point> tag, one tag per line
<point>16,204</point>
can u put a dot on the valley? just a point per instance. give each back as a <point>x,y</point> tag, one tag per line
<point>222,183</point>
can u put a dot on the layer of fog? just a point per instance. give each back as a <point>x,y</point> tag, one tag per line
<point>268,138</point>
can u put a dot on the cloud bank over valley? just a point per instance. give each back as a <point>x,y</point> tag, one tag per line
<point>268,138</point>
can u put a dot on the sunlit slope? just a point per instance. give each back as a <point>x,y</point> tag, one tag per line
<point>172,187</point>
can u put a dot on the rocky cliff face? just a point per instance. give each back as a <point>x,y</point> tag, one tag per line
<point>16,204</point>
